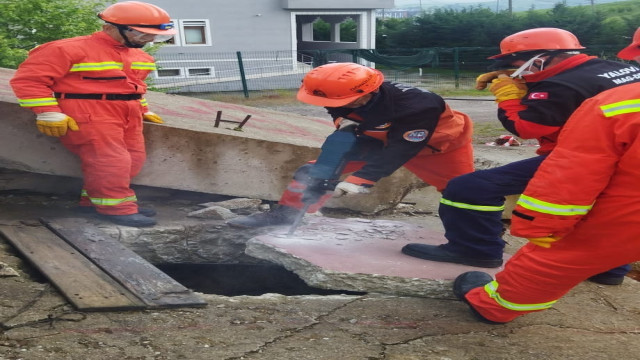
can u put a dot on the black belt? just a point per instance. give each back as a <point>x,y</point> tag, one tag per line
<point>99,96</point>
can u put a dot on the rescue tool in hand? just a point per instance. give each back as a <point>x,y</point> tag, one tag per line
<point>323,175</point>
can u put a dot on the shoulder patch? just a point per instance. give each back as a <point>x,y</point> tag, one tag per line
<point>416,135</point>
<point>538,96</point>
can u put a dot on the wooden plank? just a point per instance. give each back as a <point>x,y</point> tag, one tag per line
<point>137,275</point>
<point>85,285</point>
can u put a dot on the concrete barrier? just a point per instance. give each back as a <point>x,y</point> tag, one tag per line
<point>188,153</point>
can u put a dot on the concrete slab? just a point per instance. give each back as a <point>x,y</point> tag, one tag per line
<point>360,255</point>
<point>188,153</point>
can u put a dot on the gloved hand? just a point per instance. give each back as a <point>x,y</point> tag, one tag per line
<point>152,117</point>
<point>484,79</point>
<point>347,188</point>
<point>55,123</point>
<point>545,241</point>
<point>507,88</point>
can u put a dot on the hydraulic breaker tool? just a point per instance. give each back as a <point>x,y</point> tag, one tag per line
<point>324,174</point>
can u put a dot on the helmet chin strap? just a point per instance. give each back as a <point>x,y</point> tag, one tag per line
<point>127,43</point>
<point>525,69</point>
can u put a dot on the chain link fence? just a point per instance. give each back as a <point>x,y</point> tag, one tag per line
<point>241,74</point>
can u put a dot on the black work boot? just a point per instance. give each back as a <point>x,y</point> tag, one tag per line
<point>467,281</point>
<point>606,279</point>
<point>135,220</point>
<point>438,253</point>
<point>282,215</point>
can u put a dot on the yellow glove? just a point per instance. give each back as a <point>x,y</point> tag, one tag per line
<point>55,123</point>
<point>507,88</point>
<point>152,117</point>
<point>484,79</point>
<point>545,242</point>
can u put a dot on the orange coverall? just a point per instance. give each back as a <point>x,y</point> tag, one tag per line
<point>98,82</point>
<point>587,194</point>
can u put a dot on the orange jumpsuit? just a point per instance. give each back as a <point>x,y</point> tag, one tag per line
<point>99,83</point>
<point>586,193</point>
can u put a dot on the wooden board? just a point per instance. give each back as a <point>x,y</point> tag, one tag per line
<point>155,288</point>
<point>85,285</point>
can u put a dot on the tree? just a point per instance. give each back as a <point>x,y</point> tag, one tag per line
<point>25,24</point>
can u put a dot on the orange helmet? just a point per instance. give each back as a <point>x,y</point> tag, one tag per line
<point>337,84</point>
<point>543,39</point>
<point>140,16</point>
<point>633,50</point>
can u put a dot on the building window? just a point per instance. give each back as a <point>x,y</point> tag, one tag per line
<point>192,72</point>
<point>195,32</point>
<point>164,73</point>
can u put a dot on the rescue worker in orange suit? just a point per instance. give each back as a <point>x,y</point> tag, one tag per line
<point>88,91</point>
<point>534,101</point>
<point>579,212</point>
<point>395,125</point>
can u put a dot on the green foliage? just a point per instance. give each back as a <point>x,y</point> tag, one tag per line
<point>25,24</point>
<point>348,31</point>
<point>611,24</point>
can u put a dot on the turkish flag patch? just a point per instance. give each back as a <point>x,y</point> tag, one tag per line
<point>538,96</point>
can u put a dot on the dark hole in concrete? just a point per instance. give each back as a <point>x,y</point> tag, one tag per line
<point>242,279</point>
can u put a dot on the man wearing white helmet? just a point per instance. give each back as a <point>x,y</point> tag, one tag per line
<point>88,91</point>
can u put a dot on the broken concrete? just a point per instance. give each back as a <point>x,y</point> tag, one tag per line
<point>360,255</point>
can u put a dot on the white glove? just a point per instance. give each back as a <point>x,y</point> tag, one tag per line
<point>347,188</point>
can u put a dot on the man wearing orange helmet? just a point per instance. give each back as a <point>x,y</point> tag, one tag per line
<point>93,86</point>
<point>579,228</point>
<point>395,125</point>
<point>534,101</point>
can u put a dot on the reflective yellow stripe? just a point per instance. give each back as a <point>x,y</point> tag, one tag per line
<point>144,102</point>
<point>107,65</point>
<point>38,102</point>
<point>108,202</point>
<point>544,207</point>
<point>136,65</point>
<point>492,289</point>
<point>471,207</point>
<point>622,107</point>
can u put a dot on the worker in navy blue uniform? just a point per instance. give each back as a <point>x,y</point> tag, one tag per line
<point>552,78</point>
<point>395,125</point>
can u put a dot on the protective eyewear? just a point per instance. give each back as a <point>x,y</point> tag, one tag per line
<point>141,37</point>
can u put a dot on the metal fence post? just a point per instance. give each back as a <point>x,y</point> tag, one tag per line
<point>456,67</point>
<point>245,89</point>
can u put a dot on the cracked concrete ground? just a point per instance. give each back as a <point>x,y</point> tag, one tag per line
<point>591,322</point>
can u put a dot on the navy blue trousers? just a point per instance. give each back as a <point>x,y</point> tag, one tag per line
<point>472,204</point>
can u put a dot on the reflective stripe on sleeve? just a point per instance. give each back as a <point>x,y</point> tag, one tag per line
<point>137,65</point>
<point>544,207</point>
<point>622,107</point>
<point>492,290</point>
<point>471,207</point>
<point>107,65</point>
<point>50,101</point>
<point>144,102</point>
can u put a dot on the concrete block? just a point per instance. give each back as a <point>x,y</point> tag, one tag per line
<point>188,153</point>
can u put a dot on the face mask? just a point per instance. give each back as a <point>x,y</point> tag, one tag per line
<point>525,69</point>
